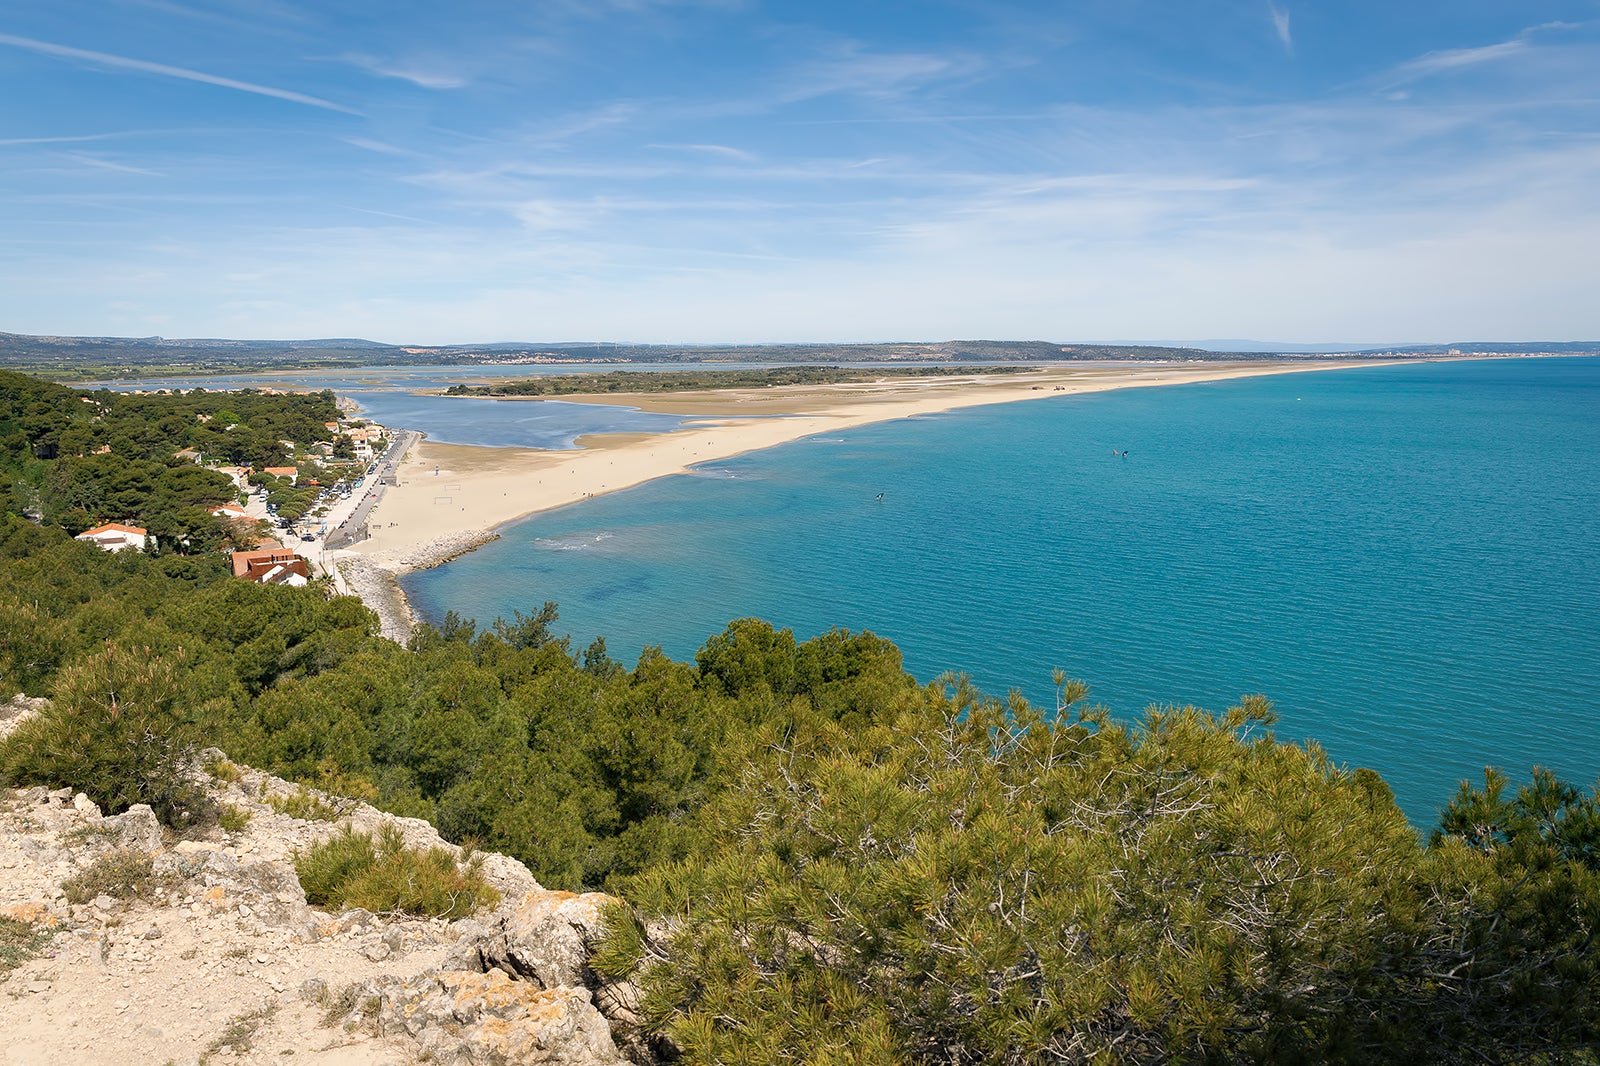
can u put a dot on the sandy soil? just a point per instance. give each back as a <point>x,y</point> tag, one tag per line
<point>449,496</point>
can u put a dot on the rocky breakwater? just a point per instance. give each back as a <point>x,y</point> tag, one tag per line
<point>120,944</point>
<point>375,577</point>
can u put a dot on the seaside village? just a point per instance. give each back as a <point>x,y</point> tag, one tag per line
<point>286,516</point>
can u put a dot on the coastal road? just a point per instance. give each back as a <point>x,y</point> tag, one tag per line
<point>348,531</point>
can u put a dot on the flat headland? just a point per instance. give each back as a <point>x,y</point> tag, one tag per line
<point>450,498</point>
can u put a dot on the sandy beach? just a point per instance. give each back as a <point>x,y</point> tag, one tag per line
<point>449,498</point>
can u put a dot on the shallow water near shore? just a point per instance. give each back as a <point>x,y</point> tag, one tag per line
<point>1402,558</point>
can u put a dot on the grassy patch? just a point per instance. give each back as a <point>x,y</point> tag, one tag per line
<point>86,834</point>
<point>222,770</point>
<point>124,873</point>
<point>19,942</point>
<point>352,1003</point>
<point>384,876</point>
<point>234,818</point>
<point>308,806</point>
<point>241,1032</point>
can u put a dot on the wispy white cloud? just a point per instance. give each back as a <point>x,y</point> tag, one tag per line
<point>162,69</point>
<point>415,74</point>
<point>721,150</point>
<point>106,164</point>
<point>59,140</point>
<point>381,147</point>
<point>1280,23</point>
<point>563,128</point>
<point>1455,59</point>
<point>853,70</point>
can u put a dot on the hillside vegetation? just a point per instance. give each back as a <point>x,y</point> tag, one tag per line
<point>688,380</point>
<point>825,860</point>
<point>76,458</point>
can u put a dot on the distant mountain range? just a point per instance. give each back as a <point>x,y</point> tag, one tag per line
<point>99,357</point>
<point>1242,347</point>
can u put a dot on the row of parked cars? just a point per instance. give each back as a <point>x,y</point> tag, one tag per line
<point>339,490</point>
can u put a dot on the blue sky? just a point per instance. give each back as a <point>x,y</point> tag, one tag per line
<point>738,170</point>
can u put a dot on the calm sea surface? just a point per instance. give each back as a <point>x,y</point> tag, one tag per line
<point>1403,559</point>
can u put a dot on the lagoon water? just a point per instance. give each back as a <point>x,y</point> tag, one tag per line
<point>1406,560</point>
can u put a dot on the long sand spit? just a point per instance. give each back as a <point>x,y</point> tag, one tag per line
<point>450,498</point>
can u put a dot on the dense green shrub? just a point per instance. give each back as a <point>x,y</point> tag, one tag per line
<point>977,882</point>
<point>384,876</point>
<point>112,730</point>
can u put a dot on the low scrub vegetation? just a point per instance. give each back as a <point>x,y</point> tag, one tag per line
<point>123,873</point>
<point>633,381</point>
<point>234,818</point>
<point>222,770</point>
<point>19,942</point>
<point>384,876</point>
<point>308,806</point>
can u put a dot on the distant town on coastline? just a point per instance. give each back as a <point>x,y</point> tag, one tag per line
<point>91,358</point>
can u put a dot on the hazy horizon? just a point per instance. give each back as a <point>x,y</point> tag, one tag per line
<point>1242,346</point>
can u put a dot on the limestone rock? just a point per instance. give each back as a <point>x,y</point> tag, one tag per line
<point>549,934</point>
<point>508,875</point>
<point>135,827</point>
<point>228,932</point>
<point>493,1019</point>
<point>479,948</point>
<point>17,710</point>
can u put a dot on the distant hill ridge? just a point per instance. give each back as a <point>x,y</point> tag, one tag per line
<point>107,356</point>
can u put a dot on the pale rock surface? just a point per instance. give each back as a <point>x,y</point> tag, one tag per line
<point>17,710</point>
<point>490,1018</point>
<point>226,962</point>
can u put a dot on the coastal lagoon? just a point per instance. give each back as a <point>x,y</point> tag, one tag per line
<point>1402,558</point>
<point>393,396</point>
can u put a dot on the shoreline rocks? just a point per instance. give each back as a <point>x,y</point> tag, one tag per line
<point>375,579</point>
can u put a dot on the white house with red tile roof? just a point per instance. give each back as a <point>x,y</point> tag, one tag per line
<point>114,537</point>
<point>290,472</point>
<point>273,566</point>
<point>229,510</point>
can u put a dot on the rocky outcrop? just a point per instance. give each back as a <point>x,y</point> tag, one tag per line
<point>15,711</point>
<point>215,955</point>
<point>455,1016</point>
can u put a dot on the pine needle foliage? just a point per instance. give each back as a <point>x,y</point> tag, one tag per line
<point>976,881</point>
<point>114,731</point>
<point>384,876</point>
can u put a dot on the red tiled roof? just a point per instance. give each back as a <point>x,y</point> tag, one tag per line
<point>261,560</point>
<point>113,527</point>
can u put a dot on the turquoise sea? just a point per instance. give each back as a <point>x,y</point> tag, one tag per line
<point>1406,559</point>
